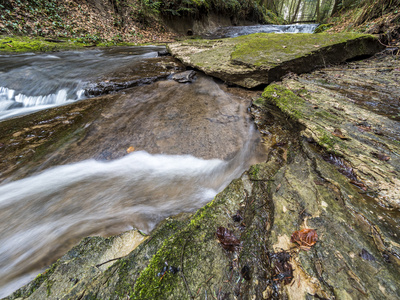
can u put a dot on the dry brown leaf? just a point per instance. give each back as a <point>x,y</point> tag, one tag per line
<point>130,149</point>
<point>306,238</point>
<point>338,133</point>
<point>380,156</point>
<point>227,239</point>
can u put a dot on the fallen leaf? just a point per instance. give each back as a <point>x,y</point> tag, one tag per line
<point>366,255</point>
<point>284,46</point>
<point>338,133</point>
<point>283,270</point>
<point>316,46</point>
<point>130,149</point>
<point>380,156</point>
<point>306,238</point>
<point>227,239</point>
<point>359,184</point>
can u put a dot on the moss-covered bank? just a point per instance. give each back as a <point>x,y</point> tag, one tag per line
<point>42,44</point>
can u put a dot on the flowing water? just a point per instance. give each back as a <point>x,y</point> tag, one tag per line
<point>191,140</point>
<point>234,31</point>
<point>63,76</point>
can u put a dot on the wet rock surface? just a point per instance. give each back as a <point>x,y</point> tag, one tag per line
<point>184,77</point>
<point>332,166</point>
<point>146,72</point>
<point>353,112</point>
<point>259,59</point>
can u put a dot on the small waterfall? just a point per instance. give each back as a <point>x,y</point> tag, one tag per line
<point>11,104</point>
<point>235,31</point>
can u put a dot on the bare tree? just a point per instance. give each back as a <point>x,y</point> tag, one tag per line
<point>294,15</point>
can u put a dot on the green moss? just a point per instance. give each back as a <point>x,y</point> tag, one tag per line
<point>285,100</point>
<point>327,140</point>
<point>39,44</point>
<point>259,102</point>
<point>325,114</point>
<point>322,28</point>
<point>193,245</point>
<point>269,49</point>
<point>253,171</point>
<point>36,283</point>
<point>151,284</point>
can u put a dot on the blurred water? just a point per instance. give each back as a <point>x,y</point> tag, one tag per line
<point>40,215</point>
<point>34,81</point>
<point>234,31</point>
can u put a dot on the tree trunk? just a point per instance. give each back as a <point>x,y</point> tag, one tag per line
<point>336,5</point>
<point>294,17</point>
<point>318,13</point>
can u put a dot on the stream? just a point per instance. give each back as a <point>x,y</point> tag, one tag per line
<point>190,140</point>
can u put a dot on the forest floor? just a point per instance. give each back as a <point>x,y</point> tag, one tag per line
<point>92,22</point>
<point>386,26</point>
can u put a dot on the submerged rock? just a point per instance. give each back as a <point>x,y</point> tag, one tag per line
<point>184,77</point>
<point>261,58</point>
<point>145,72</point>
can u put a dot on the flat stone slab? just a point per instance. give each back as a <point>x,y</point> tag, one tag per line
<point>261,58</point>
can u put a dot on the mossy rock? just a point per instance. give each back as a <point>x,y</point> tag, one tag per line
<point>322,28</point>
<point>261,58</point>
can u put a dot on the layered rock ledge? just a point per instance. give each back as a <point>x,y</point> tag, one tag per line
<point>259,59</point>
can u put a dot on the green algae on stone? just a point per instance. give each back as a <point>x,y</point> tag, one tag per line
<point>38,44</point>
